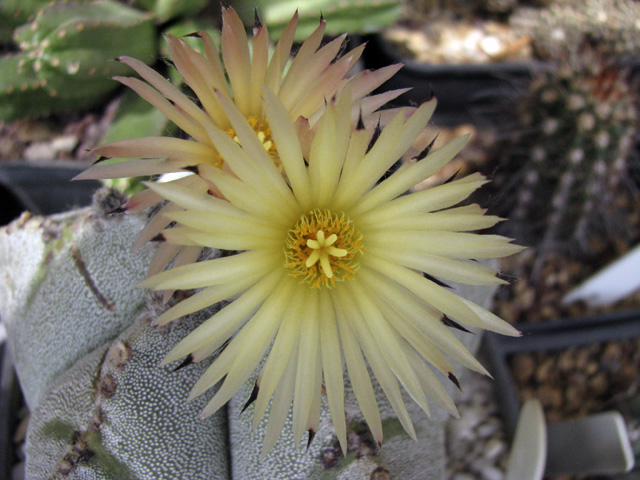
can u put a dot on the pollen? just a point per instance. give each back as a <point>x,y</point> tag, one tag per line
<point>322,248</point>
<point>263,131</point>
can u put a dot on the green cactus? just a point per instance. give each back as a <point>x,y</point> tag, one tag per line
<point>566,24</point>
<point>67,56</point>
<point>354,16</point>
<point>164,10</point>
<point>570,159</point>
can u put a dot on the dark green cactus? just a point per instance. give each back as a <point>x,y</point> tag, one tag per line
<point>352,16</point>
<point>164,10</point>
<point>66,56</point>
<point>563,172</point>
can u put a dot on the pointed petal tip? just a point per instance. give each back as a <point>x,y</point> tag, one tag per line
<point>252,397</point>
<point>454,380</point>
<point>312,434</point>
<point>188,360</point>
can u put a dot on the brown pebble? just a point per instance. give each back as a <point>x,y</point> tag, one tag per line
<point>380,473</point>
<point>550,396</point>
<point>566,360</point>
<point>523,367</point>
<point>544,372</point>
<point>598,384</point>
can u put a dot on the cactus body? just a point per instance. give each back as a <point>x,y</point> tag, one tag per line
<point>82,256</point>
<point>355,16</point>
<point>164,10</point>
<point>67,56</point>
<point>612,23</point>
<point>571,156</point>
<point>117,415</point>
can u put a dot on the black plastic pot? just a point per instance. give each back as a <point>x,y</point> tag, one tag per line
<point>552,336</point>
<point>42,189</point>
<point>468,91</point>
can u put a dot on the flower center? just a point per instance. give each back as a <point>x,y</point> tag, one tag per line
<point>263,131</point>
<point>322,248</point>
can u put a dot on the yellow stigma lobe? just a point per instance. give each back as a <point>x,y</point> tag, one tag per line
<point>322,247</point>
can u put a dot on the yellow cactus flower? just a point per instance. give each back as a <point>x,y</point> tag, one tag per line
<point>333,267</point>
<point>302,84</point>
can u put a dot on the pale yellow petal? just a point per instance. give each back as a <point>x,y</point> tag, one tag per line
<point>440,298</point>
<point>413,310</point>
<point>385,345</point>
<point>424,201</point>
<point>284,135</point>
<point>308,358</point>
<point>244,197</point>
<point>403,179</point>
<point>469,272</point>
<point>332,366</point>
<point>205,298</point>
<point>299,65</point>
<point>446,244</point>
<point>218,328</point>
<point>247,348</point>
<point>280,405</point>
<point>280,56</point>
<point>394,141</point>
<point>358,373</point>
<point>214,272</point>
<point>236,58</point>
<point>259,63</point>
<point>284,346</point>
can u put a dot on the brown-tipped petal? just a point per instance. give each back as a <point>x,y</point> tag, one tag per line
<point>374,102</point>
<point>235,54</point>
<point>259,64</point>
<point>198,75</point>
<point>172,112</point>
<point>303,74</point>
<point>131,168</point>
<point>143,200</point>
<point>188,151</point>
<point>367,81</point>
<point>280,56</point>
<point>301,63</point>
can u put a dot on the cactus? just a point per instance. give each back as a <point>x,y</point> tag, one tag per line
<point>354,16</point>
<point>66,56</point>
<point>164,10</point>
<point>568,163</point>
<point>87,358</point>
<point>561,25</point>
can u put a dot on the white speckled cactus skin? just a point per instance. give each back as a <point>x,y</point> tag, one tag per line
<point>117,415</point>
<point>102,407</point>
<point>66,289</point>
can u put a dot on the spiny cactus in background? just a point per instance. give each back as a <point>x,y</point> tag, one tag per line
<point>614,24</point>
<point>565,169</point>
<point>354,16</point>
<point>66,56</point>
